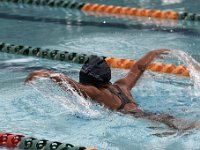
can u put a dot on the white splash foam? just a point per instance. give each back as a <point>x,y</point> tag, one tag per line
<point>192,65</point>
<point>67,97</point>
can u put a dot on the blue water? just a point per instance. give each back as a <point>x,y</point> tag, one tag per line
<point>44,110</point>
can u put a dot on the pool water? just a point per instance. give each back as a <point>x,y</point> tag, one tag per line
<point>44,110</point>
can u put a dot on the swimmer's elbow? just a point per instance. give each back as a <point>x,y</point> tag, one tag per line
<point>56,77</point>
<point>28,80</point>
<point>30,77</point>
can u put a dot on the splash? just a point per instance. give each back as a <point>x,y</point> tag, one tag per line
<point>192,65</point>
<point>67,97</point>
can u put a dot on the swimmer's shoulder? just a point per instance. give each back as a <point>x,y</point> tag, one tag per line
<point>90,90</point>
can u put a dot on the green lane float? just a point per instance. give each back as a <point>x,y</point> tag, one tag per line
<point>26,143</point>
<point>51,3</point>
<point>19,141</point>
<point>81,58</point>
<point>111,9</point>
<point>43,53</point>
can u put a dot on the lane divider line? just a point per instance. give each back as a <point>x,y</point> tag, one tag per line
<point>19,141</point>
<point>185,31</point>
<point>80,58</point>
<point>111,9</point>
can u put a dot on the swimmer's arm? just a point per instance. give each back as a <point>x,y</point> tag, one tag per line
<point>62,79</point>
<point>86,90</point>
<point>139,67</point>
<point>57,77</point>
<point>37,73</point>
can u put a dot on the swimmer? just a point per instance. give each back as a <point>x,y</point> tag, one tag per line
<point>94,81</point>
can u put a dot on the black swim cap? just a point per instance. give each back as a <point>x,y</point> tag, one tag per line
<point>95,71</point>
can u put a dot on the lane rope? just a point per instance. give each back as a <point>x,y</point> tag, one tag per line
<point>156,67</point>
<point>111,9</point>
<point>80,58</point>
<point>179,30</point>
<point>19,141</point>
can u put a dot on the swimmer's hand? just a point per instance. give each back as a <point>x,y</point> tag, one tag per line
<point>144,62</point>
<point>38,73</point>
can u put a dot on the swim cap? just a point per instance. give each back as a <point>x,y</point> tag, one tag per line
<point>95,71</point>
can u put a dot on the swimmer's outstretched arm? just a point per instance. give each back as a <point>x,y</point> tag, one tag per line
<point>81,89</point>
<point>38,73</point>
<point>139,67</point>
<point>57,77</point>
<point>62,79</point>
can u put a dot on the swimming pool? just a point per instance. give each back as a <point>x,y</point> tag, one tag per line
<point>46,111</point>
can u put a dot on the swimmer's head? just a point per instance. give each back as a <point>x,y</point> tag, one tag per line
<point>95,71</point>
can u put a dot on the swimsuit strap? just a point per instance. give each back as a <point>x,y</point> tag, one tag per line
<point>118,92</point>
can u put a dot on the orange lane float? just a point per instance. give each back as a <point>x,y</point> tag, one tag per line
<point>142,12</point>
<point>111,9</point>
<point>81,58</point>
<point>156,67</point>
